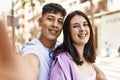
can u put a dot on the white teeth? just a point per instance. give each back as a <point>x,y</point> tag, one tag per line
<point>53,31</point>
<point>82,35</point>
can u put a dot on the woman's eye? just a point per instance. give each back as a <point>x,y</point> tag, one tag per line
<point>85,25</point>
<point>75,26</point>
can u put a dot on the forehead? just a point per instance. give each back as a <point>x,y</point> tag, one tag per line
<point>77,18</point>
<point>52,14</point>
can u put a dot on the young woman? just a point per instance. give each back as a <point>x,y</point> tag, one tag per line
<point>74,58</point>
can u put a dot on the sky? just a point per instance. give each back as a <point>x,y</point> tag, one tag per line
<point>5,5</point>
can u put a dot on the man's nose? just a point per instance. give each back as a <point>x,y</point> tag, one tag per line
<point>55,23</point>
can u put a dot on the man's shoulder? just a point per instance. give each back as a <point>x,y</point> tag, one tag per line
<point>32,43</point>
<point>57,43</point>
<point>31,47</point>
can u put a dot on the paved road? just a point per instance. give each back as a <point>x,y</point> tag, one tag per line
<point>110,66</point>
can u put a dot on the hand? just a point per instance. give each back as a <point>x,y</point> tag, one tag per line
<point>99,74</point>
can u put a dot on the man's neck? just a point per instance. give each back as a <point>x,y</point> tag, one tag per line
<point>47,43</point>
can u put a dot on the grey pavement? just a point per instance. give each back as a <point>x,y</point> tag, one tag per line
<point>110,66</point>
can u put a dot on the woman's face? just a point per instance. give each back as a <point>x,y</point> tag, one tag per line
<point>80,31</point>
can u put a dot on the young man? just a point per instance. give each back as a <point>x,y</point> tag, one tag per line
<point>37,51</point>
<point>34,64</point>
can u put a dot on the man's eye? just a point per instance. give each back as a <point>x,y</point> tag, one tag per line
<point>50,19</point>
<point>61,22</point>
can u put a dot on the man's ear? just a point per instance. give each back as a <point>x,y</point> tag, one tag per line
<point>40,21</point>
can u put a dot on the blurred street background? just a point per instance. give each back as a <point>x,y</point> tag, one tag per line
<point>110,66</point>
<point>21,18</point>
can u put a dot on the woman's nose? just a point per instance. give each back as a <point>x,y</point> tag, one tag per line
<point>81,28</point>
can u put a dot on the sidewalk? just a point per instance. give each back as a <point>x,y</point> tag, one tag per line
<point>110,66</point>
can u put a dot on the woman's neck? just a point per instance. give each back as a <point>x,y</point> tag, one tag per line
<point>80,50</point>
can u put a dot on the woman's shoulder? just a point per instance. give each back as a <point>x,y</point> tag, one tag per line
<point>63,59</point>
<point>63,56</point>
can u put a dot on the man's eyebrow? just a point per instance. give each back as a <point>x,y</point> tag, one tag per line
<point>50,16</point>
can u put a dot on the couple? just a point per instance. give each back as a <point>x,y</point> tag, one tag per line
<point>73,59</point>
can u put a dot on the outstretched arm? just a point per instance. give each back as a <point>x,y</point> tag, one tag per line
<point>13,66</point>
<point>6,48</point>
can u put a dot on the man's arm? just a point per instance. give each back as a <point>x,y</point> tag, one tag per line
<point>5,44</point>
<point>14,66</point>
<point>99,74</point>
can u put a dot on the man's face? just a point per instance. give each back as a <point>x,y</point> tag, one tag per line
<point>52,25</point>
